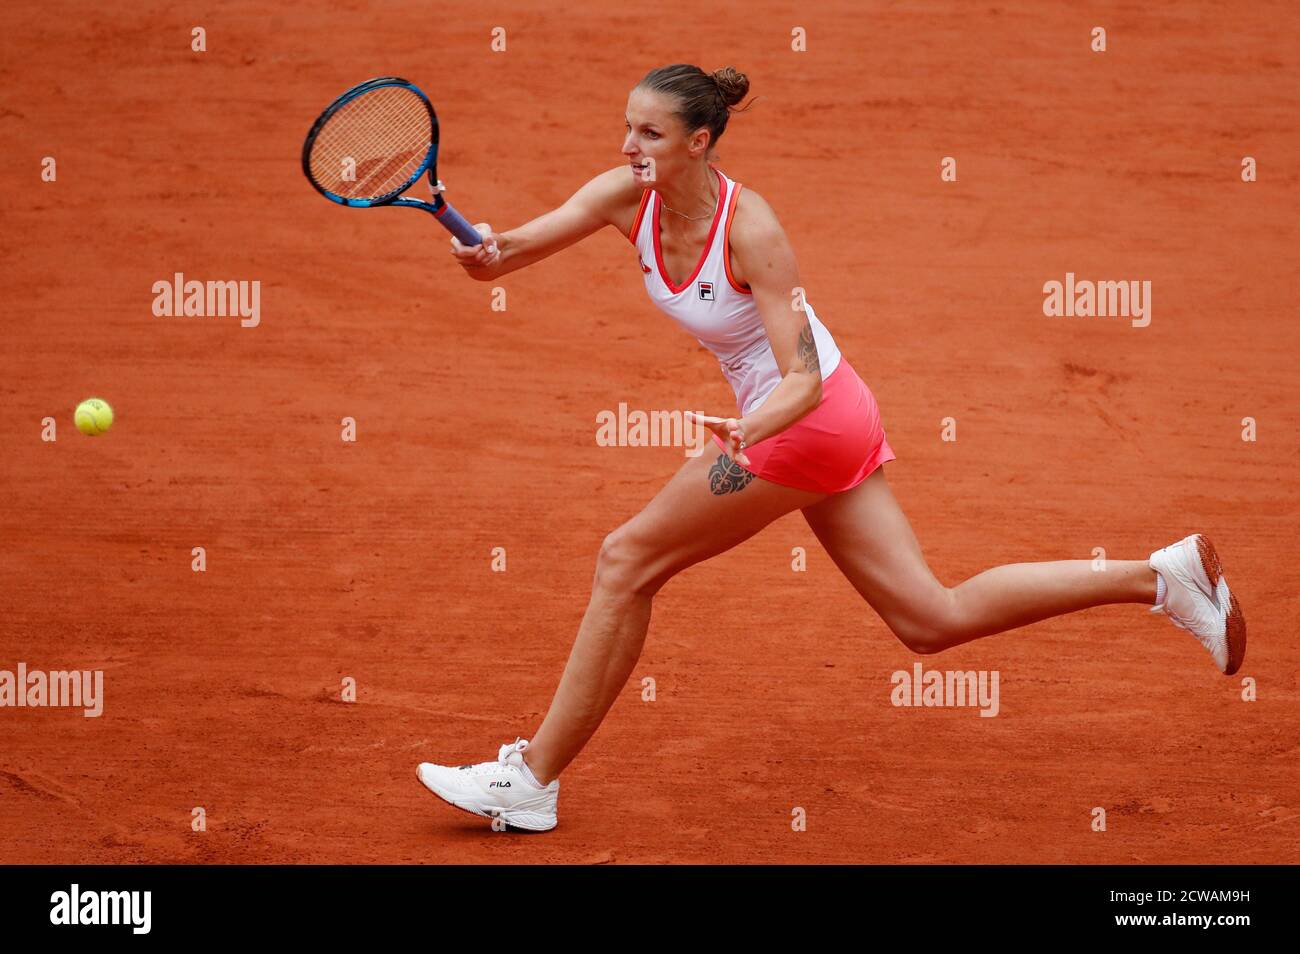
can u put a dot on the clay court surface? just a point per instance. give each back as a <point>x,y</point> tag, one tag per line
<point>476,429</point>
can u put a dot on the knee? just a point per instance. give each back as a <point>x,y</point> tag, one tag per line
<point>930,629</point>
<point>623,566</point>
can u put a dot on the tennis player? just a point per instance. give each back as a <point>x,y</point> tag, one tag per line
<point>715,258</point>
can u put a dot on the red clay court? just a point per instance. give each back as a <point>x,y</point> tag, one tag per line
<point>475,429</point>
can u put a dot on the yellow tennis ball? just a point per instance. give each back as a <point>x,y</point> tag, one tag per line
<point>94,416</point>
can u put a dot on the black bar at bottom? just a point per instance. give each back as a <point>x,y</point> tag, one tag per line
<point>304,903</point>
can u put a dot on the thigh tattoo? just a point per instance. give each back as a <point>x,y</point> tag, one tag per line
<point>727,477</point>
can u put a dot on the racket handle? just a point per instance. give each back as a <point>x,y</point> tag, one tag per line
<point>455,223</point>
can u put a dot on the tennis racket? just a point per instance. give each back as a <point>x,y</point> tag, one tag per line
<point>372,144</point>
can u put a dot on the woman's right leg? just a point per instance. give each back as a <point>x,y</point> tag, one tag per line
<point>708,507</point>
<point>870,539</point>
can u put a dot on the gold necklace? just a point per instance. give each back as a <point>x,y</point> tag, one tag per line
<point>689,218</point>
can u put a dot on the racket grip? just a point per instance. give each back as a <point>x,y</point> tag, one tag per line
<point>456,224</point>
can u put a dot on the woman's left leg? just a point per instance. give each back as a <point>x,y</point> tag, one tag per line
<point>870,539</point>
<point>708,507</point>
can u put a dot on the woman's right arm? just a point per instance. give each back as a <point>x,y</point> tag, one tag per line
<point>605,200</point>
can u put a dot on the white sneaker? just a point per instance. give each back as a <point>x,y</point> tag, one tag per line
<point>495,789</point>
<point>1198,600</point>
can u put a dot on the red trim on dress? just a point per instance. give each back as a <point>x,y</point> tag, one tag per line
<point>636,223</point>
<point>708,243</point>
<point>726,243</point>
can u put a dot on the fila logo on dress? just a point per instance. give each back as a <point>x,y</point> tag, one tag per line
<point>706,290</point>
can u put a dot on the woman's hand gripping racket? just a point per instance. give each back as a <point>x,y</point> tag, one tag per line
<point>372,144</point>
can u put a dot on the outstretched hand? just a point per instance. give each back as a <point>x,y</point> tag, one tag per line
<point>483,255</point>
<point>729,431</point>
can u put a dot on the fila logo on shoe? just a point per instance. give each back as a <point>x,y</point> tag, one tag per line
<point>498,785</point>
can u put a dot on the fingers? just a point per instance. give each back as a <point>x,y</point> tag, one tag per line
<point>705,419</point>
<point>738,452</point>
<point>727,428</point>
<point>735,438</point>
<point>712,423</point>
<point>485,254</point>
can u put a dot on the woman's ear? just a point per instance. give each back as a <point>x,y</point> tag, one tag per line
<point>701,141</point>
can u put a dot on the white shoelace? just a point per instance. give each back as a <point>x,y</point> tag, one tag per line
<point>507,750</point>
<point>502,761</point>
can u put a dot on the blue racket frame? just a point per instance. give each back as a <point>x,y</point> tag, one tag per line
<point>440,208</point>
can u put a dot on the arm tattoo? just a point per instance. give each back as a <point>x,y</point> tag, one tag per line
<point>808,349</point>
<point>727,477</point>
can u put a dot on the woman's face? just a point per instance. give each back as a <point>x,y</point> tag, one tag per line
<point>657,145</point>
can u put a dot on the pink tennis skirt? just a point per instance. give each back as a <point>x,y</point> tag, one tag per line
<point>831,449</point>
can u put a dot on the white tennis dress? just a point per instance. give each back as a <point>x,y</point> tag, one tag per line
<point>715,308</point>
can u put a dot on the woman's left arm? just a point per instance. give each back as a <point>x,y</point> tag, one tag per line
<point>761,255</point>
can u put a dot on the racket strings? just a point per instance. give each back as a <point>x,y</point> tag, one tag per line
<point>380,139</point>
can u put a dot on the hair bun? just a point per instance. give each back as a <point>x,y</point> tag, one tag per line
<point>732,84</point>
